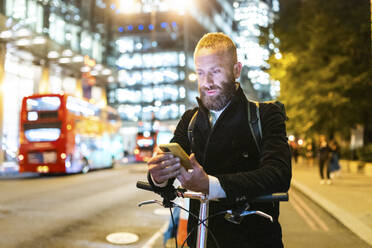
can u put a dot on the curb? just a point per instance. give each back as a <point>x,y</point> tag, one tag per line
<point>354,224</point>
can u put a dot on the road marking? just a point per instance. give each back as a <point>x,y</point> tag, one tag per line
<point>302,213</point>
<point>310,212</point>
<point>122,238</point>
<point>151,241</point>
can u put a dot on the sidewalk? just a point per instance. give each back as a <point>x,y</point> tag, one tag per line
<point>348,199</point>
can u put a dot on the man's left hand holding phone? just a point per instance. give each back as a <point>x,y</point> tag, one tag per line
<point>163,166</point>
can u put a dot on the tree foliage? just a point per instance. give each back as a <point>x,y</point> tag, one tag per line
<point>325,69</point>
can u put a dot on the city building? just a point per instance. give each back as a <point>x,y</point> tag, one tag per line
<point>154,43</point>
<point>152,49</point>
<point>48,46</point>
<point>250,15</point>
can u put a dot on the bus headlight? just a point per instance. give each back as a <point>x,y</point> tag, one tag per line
<point>63,155</point>
<point>20,157</point>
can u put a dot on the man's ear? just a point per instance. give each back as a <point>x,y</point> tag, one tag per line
<point>237,70</point>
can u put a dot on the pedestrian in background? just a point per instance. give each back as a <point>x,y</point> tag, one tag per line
<point>335,156</point>
<point>294,151</point>
<point>309,154</point>
<point>324,159</point>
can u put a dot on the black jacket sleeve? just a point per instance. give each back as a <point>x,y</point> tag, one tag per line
<point>274,172</point>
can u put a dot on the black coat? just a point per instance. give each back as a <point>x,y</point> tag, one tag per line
<point>227,151</point>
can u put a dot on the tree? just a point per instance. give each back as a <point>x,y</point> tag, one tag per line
<point>325,69</point>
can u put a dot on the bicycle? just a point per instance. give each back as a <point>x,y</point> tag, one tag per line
<point>234,216</point>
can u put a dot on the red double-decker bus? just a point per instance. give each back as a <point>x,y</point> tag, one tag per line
<point>145,145</point>
<point>60,133</point>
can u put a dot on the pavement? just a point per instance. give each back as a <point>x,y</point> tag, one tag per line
<point>348,198</point>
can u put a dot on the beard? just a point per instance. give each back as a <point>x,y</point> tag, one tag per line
<point>218,101</point>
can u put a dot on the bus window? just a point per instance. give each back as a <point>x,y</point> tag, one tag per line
<point>36,132</point>
<point>42,134</point>
<point>46,103</point>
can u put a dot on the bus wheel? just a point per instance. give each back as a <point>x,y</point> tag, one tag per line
<point>85,165</point>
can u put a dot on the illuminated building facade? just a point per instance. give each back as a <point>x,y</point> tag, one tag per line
<point>250,15</point>
<point>153,43</point>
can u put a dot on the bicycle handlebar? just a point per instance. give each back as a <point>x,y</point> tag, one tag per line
<point>265,198</point>
<point>144,185</point>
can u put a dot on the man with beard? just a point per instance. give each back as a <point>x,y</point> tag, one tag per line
<point>226,163</point>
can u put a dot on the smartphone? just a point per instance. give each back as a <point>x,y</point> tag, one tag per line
<point>177,151</point>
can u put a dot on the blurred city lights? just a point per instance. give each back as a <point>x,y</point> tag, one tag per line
<point>39,40</point>
<point>192,77</point>
<point>53,54</point>
<point>85,69</point>
<point>110,79</point>
<point>78,59</point>
<point>67,53</point>
<point>64,60</point>
<point>278,56</point>
<point>146,134</point>
<point>291,138</point>
<point>6,34</point>
<point>23,32</point>
<point>129,6</point>
<point>106,72</point>
<point>23,42</point>
<point>20,157</point>
<point>94,73</point>
<point>98,67</point>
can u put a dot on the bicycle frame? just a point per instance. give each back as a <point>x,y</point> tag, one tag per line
<point>204,209</point>
<point>201,241</point>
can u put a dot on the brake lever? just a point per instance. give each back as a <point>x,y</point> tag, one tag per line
<point>150,202</point>
<point>260,213</point>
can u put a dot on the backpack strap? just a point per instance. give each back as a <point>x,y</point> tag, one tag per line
<point>190,129</point>
<point>254,122</point>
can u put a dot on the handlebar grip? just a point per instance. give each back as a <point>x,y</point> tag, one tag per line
<point>144,185</point>
<point>272,198</point>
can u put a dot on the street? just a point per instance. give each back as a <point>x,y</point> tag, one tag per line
<point>81,210</point>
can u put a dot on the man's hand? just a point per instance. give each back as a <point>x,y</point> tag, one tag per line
<point>196,180</point>
<point>163,166</point>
